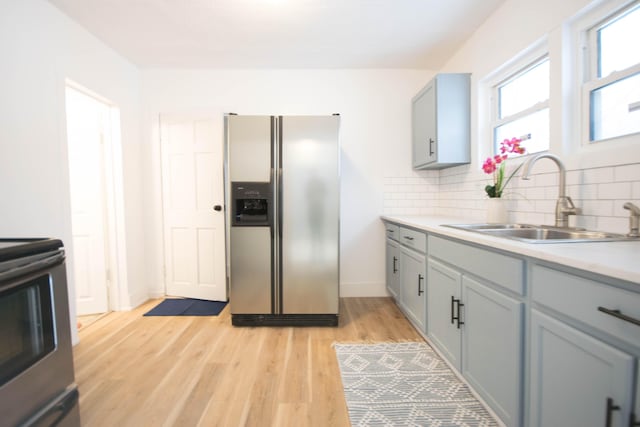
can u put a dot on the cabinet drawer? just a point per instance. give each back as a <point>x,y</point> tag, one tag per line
<point>500,269</point>
<point>580,298</point>
<point>413,239</point>
<point>392,230</point>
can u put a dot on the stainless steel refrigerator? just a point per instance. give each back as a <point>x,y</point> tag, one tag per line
<point>282,191</point>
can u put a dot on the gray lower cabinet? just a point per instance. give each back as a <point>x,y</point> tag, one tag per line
<point>393,268</point>
<point>444,290</point>
<point>582,345</point>
<point>492,348</point>
<point>406,271</point>
<point>635,418</point>
<point>413,285</point>
<point>479,330</point>
<point>584,349</point>
<point>576,380</point>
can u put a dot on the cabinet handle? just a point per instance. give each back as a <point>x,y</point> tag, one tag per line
<point>431,152</point>
<point>408,237</point>
<point>420,279</point>
<point>619,315</point>
<point>395,269</point>
<point>460,322</point>
<point>453,303</point>
<point>610,408</point>
<point>456,302</point>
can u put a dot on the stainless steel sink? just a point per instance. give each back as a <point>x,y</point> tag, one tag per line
<point>541,233</point>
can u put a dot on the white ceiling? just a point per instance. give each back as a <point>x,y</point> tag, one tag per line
<point>282,33</point>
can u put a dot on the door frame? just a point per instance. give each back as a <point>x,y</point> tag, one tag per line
<point>114,219</point>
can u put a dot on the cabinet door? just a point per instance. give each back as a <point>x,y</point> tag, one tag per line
<point>412,294</point>
<point>393,268</point>
<point>636,409</point>
<point>444,285</point>
<point>573,375</point>
<point>492,348</point>
<point>423,124</point>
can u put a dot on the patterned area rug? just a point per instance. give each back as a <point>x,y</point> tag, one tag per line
<point>405,384</point>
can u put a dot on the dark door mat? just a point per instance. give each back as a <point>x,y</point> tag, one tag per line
<point>186,307</point>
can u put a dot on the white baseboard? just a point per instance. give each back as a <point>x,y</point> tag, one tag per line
<point>135,300</point>
<point>363,290</point>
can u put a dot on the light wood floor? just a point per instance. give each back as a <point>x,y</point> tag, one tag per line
<point>201,371</point>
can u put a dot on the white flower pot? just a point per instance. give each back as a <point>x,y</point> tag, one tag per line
<point>497,211</point>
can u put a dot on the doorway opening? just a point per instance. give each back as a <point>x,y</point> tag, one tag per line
<point>93,140</point>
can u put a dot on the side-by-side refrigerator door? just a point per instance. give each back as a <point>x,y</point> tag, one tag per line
<point>310,208</point>
<point>250,213</point>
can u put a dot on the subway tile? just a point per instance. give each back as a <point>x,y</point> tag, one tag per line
<point>613,224</point>
<point>612,191</point>
<point>574,177</point>
<point>597,207</point>
<point>544,206</point>
<point>627,172</point>
<point>586,221</point>
<point>598,175</point>
<point>583,192</point>
<point>547,180</point>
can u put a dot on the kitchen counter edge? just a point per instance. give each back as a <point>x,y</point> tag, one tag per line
<point>619,260</point>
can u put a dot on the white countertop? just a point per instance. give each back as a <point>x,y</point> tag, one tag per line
<point>620,260</point>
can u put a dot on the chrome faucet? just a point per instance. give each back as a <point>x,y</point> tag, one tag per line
<point>564,205</point>
<point>634,219</point>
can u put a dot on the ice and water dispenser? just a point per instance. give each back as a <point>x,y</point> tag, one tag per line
<point>251,204</point>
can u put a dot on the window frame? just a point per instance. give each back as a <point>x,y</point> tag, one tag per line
<point>530,59</point>
<point>588,77</point>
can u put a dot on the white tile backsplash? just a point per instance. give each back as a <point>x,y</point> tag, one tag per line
<point>598,192</point>
<point>627,173</point>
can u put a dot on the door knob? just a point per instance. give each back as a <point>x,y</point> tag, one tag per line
<point>217,208</point>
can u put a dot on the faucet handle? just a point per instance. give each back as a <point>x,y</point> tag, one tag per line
<point>569,208</point>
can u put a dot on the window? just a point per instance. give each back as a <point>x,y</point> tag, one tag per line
<point>612,87</point>
<point>521,106</point>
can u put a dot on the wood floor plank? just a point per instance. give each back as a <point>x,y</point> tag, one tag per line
<point>202,371</point>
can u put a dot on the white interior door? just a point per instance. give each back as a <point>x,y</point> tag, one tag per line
<point>85,123</point>
<point>192,185</point>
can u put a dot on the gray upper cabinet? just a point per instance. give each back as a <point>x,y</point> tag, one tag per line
<point>441,122</point>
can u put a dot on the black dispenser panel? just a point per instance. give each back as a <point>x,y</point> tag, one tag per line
<point>251,204</point>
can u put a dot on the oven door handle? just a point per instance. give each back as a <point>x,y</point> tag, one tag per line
<point>55,411</point>
<point>28,268</point>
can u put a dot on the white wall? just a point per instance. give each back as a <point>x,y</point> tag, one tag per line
<point>39,48</point>
<point>600,177</point>
<point>375,133</point>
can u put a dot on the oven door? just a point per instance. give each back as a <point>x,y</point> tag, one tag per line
<point>36,359</point>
